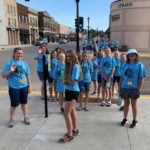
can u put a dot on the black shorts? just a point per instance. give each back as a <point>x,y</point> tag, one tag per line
<point>116,79</point>
<point>50,80</point>
<point>71,95</point>
<point>130,94</point>
<point>99,78</point>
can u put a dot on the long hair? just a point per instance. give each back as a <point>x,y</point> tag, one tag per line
<point>128,60</point>
<point>69,65</point>
<point>15,50</point>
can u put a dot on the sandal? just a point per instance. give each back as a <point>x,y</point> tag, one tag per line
<point>85,109</point>
<point>66,138</point>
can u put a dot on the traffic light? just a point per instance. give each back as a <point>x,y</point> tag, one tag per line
<point>76,22</point>
<point>80,23</point>
<point>27,0</point>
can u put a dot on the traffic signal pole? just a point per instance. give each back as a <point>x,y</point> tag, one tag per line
<point>77,27</point>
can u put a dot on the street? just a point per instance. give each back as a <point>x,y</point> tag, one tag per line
<point>29,53</point>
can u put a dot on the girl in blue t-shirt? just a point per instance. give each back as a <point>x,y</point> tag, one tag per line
<point>60,87</point>
<point>87,69</point>
<point>123,62</point>
<point>43,50</point>
<point>94,73</point>
<point>116,76</point>
<point>17,73</point>
<point>107,70</point>
<point>100,55</point>
<point>72,75</point>
<point>132,77</point>
<point>53,75</point>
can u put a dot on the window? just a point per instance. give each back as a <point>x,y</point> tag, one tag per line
<point>15,25</point>
<point>9,23</point>
<point>7,8</point>
<point>115,18</point>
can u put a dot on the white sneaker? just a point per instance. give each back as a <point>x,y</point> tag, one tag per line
<point>108,103</point>
<point>103,103</point>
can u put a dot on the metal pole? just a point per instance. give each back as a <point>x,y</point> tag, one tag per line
<point>45,86</point>
<point>77,28</point>
<point>88,29</point>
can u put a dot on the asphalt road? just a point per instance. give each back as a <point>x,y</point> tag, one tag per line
<point>29,53</point>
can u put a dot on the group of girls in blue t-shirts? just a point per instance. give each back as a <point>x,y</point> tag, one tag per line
<point>103,69</point>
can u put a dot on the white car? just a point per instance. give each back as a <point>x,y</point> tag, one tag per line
<point>41,41</point>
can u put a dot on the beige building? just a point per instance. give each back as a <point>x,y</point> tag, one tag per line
<point>63,31</point>
<point>130,23</point>
<point>33,25</point>
<point>9,23</point>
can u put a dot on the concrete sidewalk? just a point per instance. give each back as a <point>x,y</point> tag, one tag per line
<point>99,128</point>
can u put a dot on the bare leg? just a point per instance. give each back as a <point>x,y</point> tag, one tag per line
<point>67,112</point>
<point>74,118</point>
<point>126,108</point>
<point>24,108</point>
<point>134,109</point>
<point>12,112</point>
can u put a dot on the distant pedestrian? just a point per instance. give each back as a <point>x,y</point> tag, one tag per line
<point>17,72</point>
<point>132,78</point>
<point>72,74</point>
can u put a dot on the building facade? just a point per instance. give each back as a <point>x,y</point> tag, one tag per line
<point>130,23</point>
<point>9,23</point>
<point>33,25</point>
<point>48,27</point>
<point>23,24</point>
<point>64,31</point>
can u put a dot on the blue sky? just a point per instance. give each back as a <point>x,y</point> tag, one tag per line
<point>64,11</point>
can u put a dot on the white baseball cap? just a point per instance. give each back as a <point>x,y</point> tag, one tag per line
<point>130,51</point>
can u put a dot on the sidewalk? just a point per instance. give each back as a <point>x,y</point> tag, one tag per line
<point>99,128</point>
<point>3,47</point>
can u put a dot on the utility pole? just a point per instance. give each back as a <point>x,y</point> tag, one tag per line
<point>77,27</point>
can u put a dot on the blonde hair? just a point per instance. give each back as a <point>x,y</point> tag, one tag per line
<point>69,66</point>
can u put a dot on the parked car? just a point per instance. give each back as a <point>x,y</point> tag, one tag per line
<point>41,41</point>
<point>63,41</point>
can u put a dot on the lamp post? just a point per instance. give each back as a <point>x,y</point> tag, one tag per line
<point>77,27</point>
<point>88,28</point>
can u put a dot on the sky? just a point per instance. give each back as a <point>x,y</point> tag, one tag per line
<point>64,11</point>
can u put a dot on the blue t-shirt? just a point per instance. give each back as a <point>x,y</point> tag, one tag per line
<point>40,61</point>
<point>87,69</point>
<point>99,59</point>
<point>17,79</point>
<point>118,67</point>
<point>53,68</point>
<point>95,70</point>
<point>75,76</point>
<point>60,87</point>
<point>131,74</point>
<point>107,64</point>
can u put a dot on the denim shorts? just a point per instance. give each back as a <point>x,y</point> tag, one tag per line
<point>103,82</point>
<point>18,96</point>
<point>71,95</point>
<point>85,87</point>
<point>41,76</point>
<point>130,94</point>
